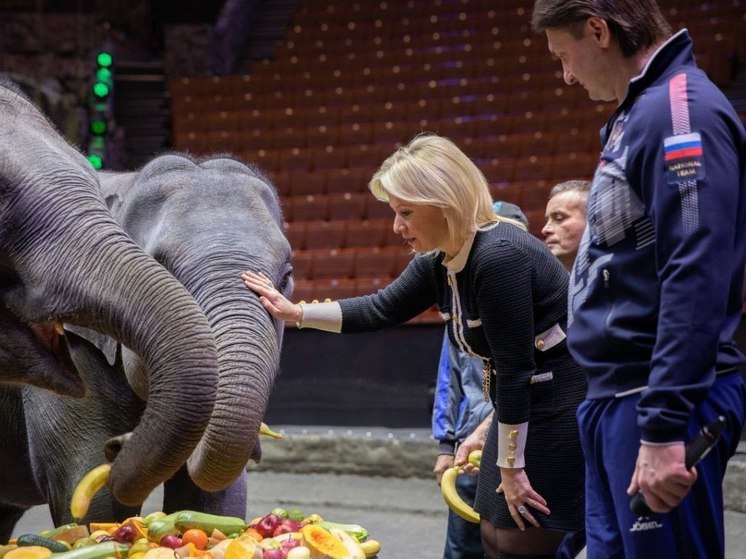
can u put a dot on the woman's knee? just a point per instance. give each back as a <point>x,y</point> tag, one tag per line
<point>533,543</point>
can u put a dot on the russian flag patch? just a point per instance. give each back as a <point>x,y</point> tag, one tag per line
<point>684,157</point>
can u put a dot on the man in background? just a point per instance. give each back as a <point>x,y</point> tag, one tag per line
<point>565,215</point>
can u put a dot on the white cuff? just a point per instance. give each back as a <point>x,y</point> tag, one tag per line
<point>322,316</point>
<point>511,443</point>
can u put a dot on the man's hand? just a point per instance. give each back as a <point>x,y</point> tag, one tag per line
<point>475,441</point>
<point>442,463</point>
<point>661,476</point>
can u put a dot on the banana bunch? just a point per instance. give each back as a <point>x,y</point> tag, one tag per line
<point>451,496</point>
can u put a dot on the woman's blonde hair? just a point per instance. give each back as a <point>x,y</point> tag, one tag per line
<point>432,170</point>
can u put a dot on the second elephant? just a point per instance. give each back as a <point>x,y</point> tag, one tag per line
<point>207,222</point>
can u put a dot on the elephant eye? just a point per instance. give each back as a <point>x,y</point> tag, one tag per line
<point>286,282</point>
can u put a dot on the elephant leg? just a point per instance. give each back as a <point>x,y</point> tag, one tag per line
<point>180,493</point>
<point>9,517</point>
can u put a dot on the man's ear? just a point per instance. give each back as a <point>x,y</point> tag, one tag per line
<point>598,28</point>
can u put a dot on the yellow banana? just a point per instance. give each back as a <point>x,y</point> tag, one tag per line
<point>453,499</point>
<point>264,429</point>
<point>87,487</point>
<point>371,548</point>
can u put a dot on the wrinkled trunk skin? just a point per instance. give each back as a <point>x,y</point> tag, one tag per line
<point>207,222</point>
<point>154,316</point>
<point>63,258</point>
<point>248,356</point>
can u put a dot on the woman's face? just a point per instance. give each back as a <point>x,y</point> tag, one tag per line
<point>423,227</point>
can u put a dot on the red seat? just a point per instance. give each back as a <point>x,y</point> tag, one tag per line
<point>296,234</point>
<point>302,262</point>
<point>308,208</point>
<point>334,263</point>
<point>368,233</point>
<point>380,262</point>
<point>369,286</point>
<point>334,289</point>
<point>349,205</point>
<point>306,182</point>
<point>325,234</point>
<point>340,181</point>
<point>303,290</point>
<point>376,209</point>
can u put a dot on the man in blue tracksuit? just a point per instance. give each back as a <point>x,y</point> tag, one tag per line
<point>656,290</point>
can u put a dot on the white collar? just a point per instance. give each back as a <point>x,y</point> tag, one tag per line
<point>457,263</point>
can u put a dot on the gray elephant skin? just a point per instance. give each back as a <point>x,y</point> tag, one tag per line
<point>206,221</point>
<point>65,259</point>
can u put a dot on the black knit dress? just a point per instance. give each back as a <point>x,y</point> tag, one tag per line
<point>498,294</point>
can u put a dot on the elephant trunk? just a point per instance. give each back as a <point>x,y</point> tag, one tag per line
<point>248,357</point>
<point>154,316</point>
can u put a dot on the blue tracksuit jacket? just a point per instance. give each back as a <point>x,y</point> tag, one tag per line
<point>656,291</point>
<point>459,405</point>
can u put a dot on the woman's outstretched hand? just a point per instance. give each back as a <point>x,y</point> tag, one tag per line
<point>271,299</point>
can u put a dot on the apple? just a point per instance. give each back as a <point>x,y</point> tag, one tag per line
<point>285,527</point>
<point>173,542</point>
<point>125,534</point>
<point>268,524</point>
<point>289,544</point>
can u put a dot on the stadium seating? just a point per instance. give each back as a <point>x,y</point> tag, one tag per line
<point>352,81</point>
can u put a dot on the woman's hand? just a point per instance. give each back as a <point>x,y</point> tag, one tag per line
<point>521,497</point>
<point>271,299</point>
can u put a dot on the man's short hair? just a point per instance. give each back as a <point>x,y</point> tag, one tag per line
<point>581,186</point>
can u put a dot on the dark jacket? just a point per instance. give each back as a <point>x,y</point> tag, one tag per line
<point>656,291</point>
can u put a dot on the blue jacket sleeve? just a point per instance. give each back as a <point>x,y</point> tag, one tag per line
<point>697,248</point>
<point>447,401</point>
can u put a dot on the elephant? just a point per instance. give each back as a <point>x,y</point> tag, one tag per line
<point>205,221</point>
<point>65,259</point>
<point>33,355</point>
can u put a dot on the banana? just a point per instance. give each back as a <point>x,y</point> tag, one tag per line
<point>453,499</point>
<point>264,429</point>
<point>371,547</point>
<point>87,487</point>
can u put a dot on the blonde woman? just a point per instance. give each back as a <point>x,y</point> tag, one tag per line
<point>503,295</point>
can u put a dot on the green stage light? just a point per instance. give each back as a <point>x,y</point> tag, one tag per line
<point>97,143</point>
<point>104,59</point>
<point>96,161</point>
<point>100,90</point>
<point>98,127</point>
<point>103,75</point>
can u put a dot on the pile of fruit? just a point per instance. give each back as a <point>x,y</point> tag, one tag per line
<point>281,534</point>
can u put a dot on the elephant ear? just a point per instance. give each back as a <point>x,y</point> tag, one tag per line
<point>105,344</point>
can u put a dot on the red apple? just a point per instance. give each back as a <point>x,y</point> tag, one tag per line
<point>285,527</point>
<point>170,541</point>
<point>268,524</point>
<point>288,544</point>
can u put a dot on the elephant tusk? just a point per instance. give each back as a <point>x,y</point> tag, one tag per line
<point>59,328</point>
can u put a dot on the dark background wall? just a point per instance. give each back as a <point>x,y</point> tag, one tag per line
<point>381,378</point>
